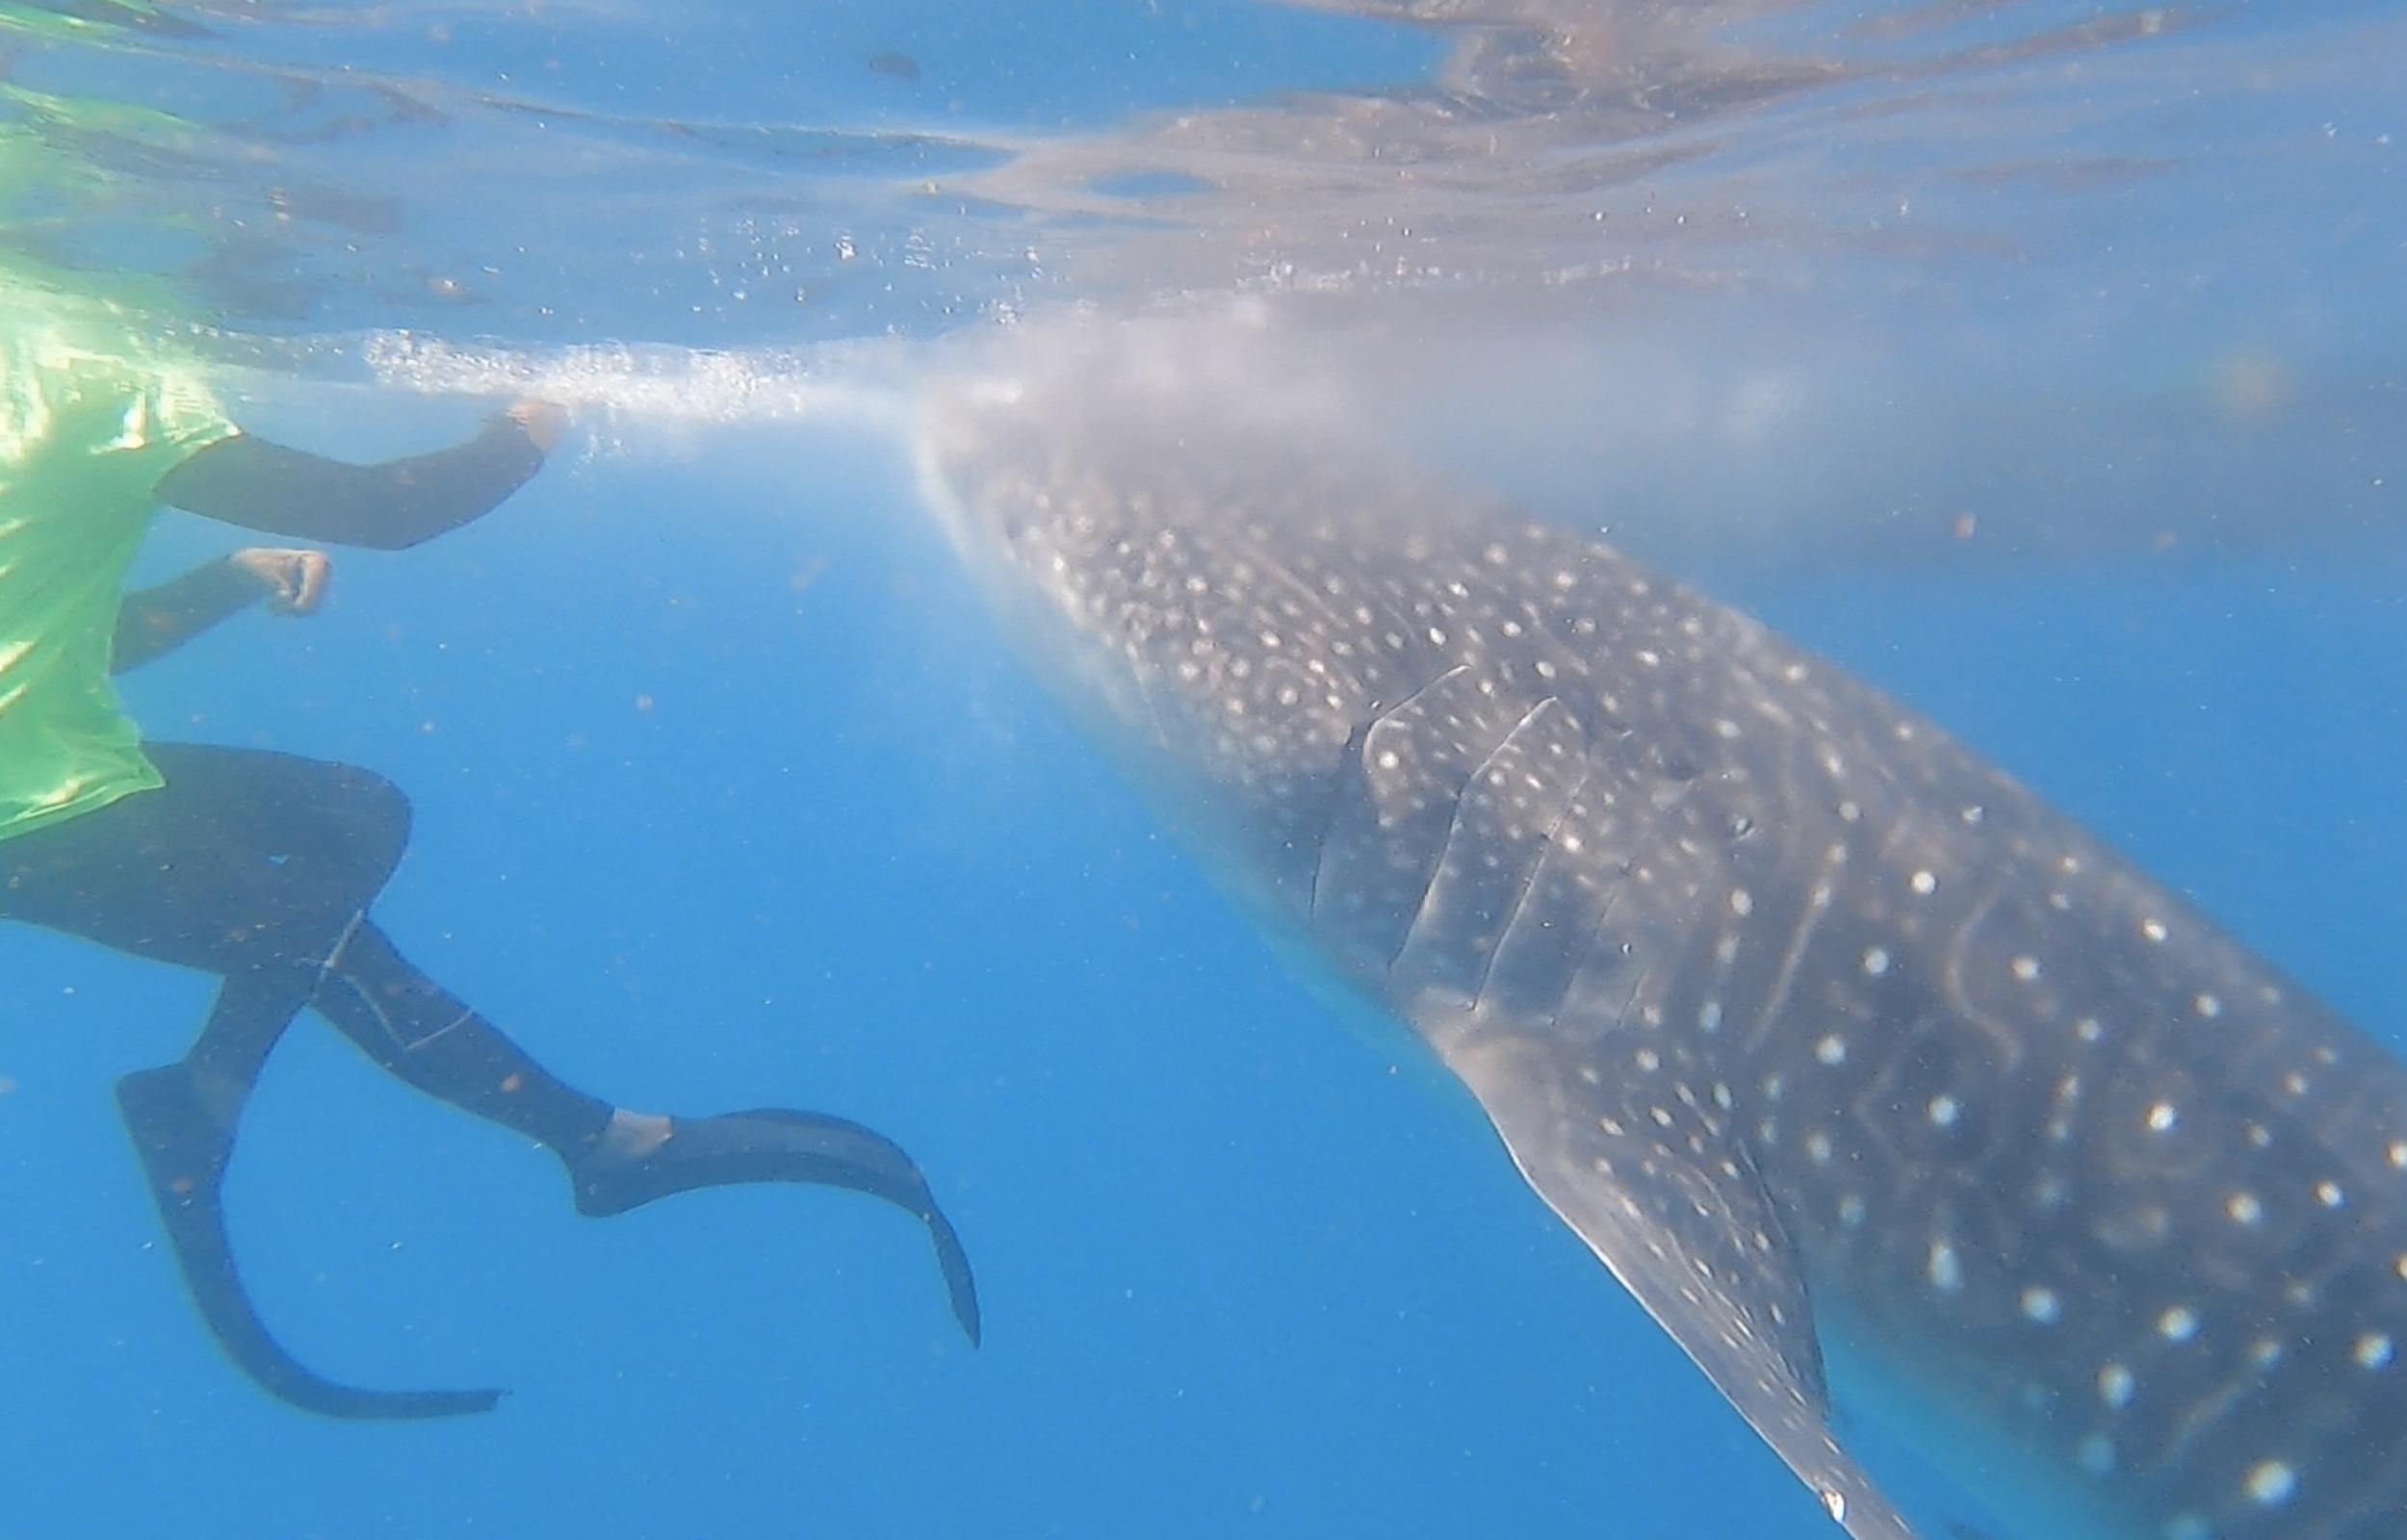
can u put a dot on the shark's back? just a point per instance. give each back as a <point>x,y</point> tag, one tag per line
<point>1820,1031</point>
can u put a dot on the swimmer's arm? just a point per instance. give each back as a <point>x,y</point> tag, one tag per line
<point>258,485</point>
<point>153,622</point>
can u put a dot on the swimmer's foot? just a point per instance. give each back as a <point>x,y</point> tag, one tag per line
<point>640,1159</point>
<point>185,1143</point>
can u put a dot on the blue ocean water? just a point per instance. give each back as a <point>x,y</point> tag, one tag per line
<point>726,795</point>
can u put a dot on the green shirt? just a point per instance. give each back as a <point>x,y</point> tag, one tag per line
<point>93,412</point>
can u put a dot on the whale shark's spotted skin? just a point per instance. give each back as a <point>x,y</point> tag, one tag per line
<point>1819,1030</point>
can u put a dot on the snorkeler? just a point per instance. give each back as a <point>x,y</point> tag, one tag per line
<point>261,868</point>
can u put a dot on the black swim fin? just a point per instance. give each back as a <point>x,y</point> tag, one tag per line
<point>776,1144</point>
<point>184,1153</point>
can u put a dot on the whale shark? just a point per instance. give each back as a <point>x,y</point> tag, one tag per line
<point>1886,1089</point>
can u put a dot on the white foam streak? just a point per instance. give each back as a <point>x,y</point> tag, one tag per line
<point>861,384</point>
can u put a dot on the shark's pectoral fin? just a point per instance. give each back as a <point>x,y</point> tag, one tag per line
<point>1672,1205</point>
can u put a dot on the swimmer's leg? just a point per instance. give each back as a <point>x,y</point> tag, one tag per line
<point>616,1160</point>
<point>248,865</point>
<point>259,868</point>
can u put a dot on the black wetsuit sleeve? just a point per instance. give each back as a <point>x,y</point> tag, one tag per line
<point>154,622</point>
<point>258,485</point>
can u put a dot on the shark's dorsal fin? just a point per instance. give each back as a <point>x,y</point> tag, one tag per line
<point>1671,1203</point>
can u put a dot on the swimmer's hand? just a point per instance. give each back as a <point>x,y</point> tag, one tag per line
<point>542,421</point>
<point>293,581</point>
